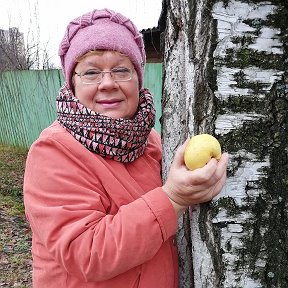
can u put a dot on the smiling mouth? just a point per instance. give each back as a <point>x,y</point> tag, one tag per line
<point>109,104</point>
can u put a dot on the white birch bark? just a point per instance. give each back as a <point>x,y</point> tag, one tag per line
<point>225,73</point>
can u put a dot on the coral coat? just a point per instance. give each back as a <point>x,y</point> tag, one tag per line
<point>98,222</point>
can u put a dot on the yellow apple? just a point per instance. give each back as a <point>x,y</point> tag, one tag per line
<point>200,149</point>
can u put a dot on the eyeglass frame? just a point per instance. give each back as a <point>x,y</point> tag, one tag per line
<point>102,76</point>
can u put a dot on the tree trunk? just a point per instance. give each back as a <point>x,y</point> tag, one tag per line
<point>225,73</point>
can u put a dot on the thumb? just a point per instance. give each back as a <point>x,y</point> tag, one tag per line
<point>179,155</point>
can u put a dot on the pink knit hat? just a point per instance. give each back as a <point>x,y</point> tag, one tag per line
<point>104,30</point>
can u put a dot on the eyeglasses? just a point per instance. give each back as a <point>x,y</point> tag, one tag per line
<point>93,76</point>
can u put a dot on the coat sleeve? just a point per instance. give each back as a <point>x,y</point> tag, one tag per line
<point>68,210</point>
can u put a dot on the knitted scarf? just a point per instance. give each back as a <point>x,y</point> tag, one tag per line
<point>120,139</point>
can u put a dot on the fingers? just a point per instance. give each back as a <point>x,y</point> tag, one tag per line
<point>221,167</point>
<point>224,160</point>
<point>219,185</point>
<point>207,193</point>
<point>211,172</point>
<point>186,187</point>
<point>179,155</point>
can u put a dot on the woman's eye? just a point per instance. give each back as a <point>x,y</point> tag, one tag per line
<point>121,70</point>
<point>92,73</point>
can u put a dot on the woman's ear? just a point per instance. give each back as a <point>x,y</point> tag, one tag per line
<point>73,80</point>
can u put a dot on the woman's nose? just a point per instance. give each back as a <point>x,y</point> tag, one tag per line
<point>107,81</point>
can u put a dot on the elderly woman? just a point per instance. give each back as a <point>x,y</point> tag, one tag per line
<point>99,212</point>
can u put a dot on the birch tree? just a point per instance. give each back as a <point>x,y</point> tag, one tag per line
<point>225,73</point>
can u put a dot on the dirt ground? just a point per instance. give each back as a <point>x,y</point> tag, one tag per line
<point>15,234</point>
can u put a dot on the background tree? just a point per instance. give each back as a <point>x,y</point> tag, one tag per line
<point>19,51</point>
<point>225,73</point>
<point>12,48</point>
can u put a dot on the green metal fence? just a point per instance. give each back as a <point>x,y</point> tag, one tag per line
<point>27,102</point>
<point>153,81</point>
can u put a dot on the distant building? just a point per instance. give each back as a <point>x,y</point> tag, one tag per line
<point>153,39</point>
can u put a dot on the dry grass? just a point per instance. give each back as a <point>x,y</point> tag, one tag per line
<point>15,235</point>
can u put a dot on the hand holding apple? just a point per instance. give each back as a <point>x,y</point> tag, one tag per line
<point>185,187</point>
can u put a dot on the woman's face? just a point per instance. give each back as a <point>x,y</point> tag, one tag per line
<point>110,98</point>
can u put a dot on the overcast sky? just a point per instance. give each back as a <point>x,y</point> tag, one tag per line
<point>52,16</point>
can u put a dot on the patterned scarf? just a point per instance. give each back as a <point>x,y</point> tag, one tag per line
<point>120,139</point>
